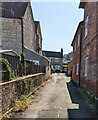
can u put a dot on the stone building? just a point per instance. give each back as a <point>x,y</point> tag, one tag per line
<point>56,59</point>
<point>21,33</point>
<point>19,28</point>
<point>38,38</point>
<point>88,52</point>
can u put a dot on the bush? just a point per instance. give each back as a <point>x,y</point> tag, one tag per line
<point>5,66</point>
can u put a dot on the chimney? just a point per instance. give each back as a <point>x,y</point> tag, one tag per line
<point>62,52</point>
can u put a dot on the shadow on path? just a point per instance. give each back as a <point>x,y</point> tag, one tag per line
<point>84,111</point>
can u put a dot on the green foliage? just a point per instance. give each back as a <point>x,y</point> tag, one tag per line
<point>22,87</point>
<point>22,65</point>
<point>22,58</point>
<point>67,57</point>
<point>5,66</point>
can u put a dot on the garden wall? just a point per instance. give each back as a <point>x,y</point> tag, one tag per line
<point>10,91</point>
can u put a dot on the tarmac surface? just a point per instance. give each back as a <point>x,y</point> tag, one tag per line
<point>59,98</point>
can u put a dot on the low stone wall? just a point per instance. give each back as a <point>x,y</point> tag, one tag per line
<point>10,91</point>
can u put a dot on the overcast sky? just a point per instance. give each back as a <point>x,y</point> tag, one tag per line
<point>59,22</point>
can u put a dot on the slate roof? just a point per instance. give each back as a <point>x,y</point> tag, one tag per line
<point>9,52</point>
<point>52,54</point>
<point>79,25</point>
<point>32,55</point>
<point>13,9</point>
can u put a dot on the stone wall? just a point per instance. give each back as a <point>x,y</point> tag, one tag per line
<point>48,72</point>
<point>39,40</point>
<point>11,35</point>
<point>9,91</point>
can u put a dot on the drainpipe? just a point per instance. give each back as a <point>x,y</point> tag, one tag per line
<point>22,35</point>
<point>80,57</point>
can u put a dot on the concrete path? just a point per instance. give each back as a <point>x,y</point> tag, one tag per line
<point>58,99</point>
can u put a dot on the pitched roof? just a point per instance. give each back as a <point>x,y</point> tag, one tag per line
<point>32,55</point>
<point>52,54</point>
<point>9,52</point>
<point>81,5</point>
<point>79,25</point>
<point>13,9</point>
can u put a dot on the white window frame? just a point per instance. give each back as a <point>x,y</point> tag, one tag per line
<point>78,40</point>
<point>51,59</point>
<point>86,67</point>
<point>75,46</point>
<point>0,43</point>
<point>56,59</point>
<point>86,26</point>
<point>77,69</point>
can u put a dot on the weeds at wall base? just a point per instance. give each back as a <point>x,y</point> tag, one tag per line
<point>23,101</point>
<point>7,115</point>
<point>88,96</point>
<point>21,104</point>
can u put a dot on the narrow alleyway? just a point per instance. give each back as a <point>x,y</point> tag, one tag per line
<point>59,98</point>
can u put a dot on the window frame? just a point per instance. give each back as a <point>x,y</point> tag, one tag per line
<point>73,68</point>
<point>86,67</point>
<point>75,46</point>
<point>57,60</point>
<point>77,69</point>
<point>86,26</point>
<point>78,40</point>
<point>0,41</point>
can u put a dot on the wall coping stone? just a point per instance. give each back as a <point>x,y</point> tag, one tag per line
<point>21,78</point>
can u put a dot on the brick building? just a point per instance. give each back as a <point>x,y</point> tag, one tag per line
<point>88,50</point>
<point>89,47</point>
<point>76,44</point>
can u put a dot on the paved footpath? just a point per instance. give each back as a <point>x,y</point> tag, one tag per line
<point>59,98</point>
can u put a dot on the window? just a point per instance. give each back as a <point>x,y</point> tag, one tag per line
<point>75,46</point>
<point>77,69</point>
<point>86,67</point>
<point>0,42</point>
<point>78,39</point>
<point>74,69</point>
<point>56,59</point>
<point>51,59</point>
<point>86,26</point>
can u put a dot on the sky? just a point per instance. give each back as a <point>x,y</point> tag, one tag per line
<point>59,21</point>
